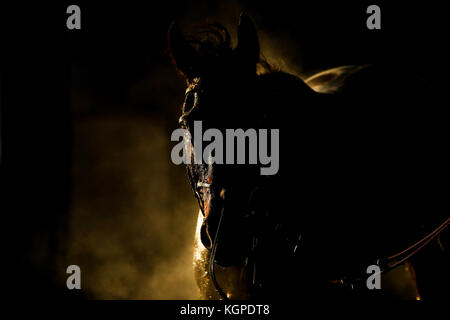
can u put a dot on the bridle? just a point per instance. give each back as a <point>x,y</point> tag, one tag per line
<point>350,283</point>
<point>194,180</point>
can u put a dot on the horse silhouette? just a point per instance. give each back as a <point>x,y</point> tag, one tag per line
<point>360,159</point>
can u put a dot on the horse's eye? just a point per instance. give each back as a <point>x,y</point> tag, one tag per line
<point>189,101</point>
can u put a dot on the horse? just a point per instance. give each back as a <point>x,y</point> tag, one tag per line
<point>358,181</point>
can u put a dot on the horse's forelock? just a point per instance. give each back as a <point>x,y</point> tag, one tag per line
<point>212,43</point>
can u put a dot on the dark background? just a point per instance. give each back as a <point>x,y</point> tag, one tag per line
<point>86,117</point>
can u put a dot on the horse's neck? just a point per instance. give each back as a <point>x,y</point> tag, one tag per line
<point>282,97</point>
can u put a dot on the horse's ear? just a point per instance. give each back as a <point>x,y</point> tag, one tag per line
<point>247,48</point>
<point>182,53</point>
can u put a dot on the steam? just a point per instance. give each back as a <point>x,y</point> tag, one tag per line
<point>131,227</point>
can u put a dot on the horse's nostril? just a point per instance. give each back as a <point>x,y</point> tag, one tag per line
<point>205,237</point>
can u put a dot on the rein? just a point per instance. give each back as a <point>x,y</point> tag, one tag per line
<point>389,263</point>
